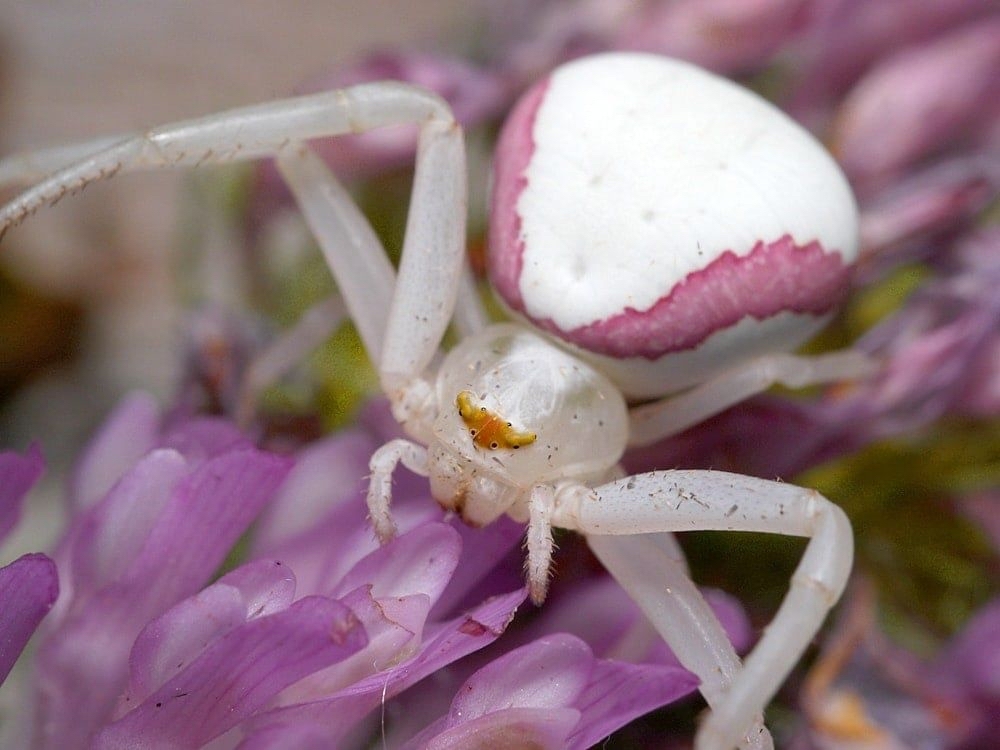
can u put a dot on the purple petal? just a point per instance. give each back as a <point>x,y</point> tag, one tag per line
<point>935,353</point>
<point>446,644</point>
<point>390,592</point>
<point>551,672</point>
<point>322,555</point>
<point>300,736</point>
<point>542,728</point>
<point>238,674</point>
<point>619,692</point>
<point>205,514</point>
<point>107,540</point>
<point>340,712</point>
<point>482,552</point>
<point>984,509</point>
<point>126,435</point>
<point>174,639</point>
<point>420,561</point>
<point>28,588</point>
<point>790,436</point>
<point>266,586</point>
<point>318,525</point>
<point>556,676</point>
<point>969,668</point>
<point>965,677</point>
<point>18,474</point>
<point>205,438</point>
<point>923,379</point>
<point>694,31</point>
<point>327,474</point>
<point>393,628</point>
<point>939,199</point>
<point>980,396</point>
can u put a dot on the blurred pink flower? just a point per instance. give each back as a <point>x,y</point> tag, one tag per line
<point>728,36</point>
<point>920,102</point>
<point>551,693</point>
<point>884,697</point>
<point>846,38</point>
<point>303,643</point>
<point>29,585</point>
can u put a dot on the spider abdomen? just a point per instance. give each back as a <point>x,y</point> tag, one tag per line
<point>665,221</point>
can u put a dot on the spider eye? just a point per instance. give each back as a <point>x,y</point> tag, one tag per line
<point>494,445</point>
<point>509,424</point>
<point>515,447</point>
<point>473,432</point>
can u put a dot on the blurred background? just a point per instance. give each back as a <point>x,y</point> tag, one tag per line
<point>89,307</point>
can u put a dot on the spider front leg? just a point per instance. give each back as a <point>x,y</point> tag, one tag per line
<point>404,330</point>
<point>405,320</point>
<point>34,166</point>
<point>706,500</point>
<point>383,463</point>
<point>400,325</point>
<point>242,134</point>
<point>401,321</point>
<point>405,333</point>
<point>538,564</point>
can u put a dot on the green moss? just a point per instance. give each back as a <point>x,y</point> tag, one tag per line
<point>346,378</point>
<point>874,302</point>
<point>866,307</point>
<point>931,565</point>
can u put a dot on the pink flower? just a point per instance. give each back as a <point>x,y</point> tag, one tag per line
<point>551,693</point>
<point>317,631</point>
<point>154,537</point>
<point>966,674</point>
<point>29,585</point>
<point>919,102</point>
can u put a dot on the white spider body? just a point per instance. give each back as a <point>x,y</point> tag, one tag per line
<point>665,221</point>
<point>518,374</point>
<point>671,228</point>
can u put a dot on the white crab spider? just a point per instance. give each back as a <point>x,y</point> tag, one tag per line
<point>669,231</point>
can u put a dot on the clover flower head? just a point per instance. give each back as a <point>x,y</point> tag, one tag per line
<point>303,643</point>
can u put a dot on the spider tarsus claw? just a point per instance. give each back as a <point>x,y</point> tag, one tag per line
<point>385,531</point>
<point>538,592</point>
